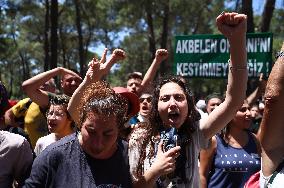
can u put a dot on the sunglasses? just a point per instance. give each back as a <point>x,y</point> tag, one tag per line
<point>148,99</point>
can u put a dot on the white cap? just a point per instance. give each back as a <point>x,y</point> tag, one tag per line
<point>201,104</point>
<point>261,105</point>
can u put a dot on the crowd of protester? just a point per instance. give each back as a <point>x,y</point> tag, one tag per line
<point>145,134</point>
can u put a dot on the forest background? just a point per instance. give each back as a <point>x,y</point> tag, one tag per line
<point>38,35</point>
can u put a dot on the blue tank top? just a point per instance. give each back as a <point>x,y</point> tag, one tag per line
<point>231,166</point>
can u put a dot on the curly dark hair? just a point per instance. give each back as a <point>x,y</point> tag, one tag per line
<point>156,123</point>
<point>100,99</point>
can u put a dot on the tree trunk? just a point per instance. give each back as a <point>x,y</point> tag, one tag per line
<point>46,37</point>
<point>88,39</point>
<point>164,37</point>
<point>54,37</point>
<point>151,34</point>
<point>27,69</point>
<point>10,92</point>
<point>164,34</point>
<point>247,9</point>
<point>80,37</point>
<point>63,47</point>
<point>24,73</point>
<point>267,15</point>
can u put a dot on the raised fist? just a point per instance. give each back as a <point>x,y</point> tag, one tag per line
<point>232,25</point>
<point>119,54</point>
<point>161,54</point>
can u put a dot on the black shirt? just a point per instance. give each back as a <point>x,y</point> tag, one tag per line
<point>65,164</point>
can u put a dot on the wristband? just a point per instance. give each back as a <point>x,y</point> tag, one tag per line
<point>237,68</point>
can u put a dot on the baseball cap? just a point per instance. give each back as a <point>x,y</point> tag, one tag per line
<point>132,98</point>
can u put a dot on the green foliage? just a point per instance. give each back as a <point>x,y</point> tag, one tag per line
<point>113,24</point>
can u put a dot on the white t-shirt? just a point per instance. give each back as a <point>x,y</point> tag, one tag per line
<point>202,114</point>
<point>43,142</point>
<point>278,181</point>
<point>197,142</point>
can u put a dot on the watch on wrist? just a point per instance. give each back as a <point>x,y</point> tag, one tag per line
<point>279,54</point>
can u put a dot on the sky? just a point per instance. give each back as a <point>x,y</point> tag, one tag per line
<point>258,5</point>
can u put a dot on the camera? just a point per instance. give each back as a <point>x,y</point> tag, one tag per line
<point>169,138</point>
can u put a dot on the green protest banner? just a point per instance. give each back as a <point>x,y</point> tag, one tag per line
<point>207,55</point>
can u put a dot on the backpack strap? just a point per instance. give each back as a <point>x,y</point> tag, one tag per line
<point>278,169</point>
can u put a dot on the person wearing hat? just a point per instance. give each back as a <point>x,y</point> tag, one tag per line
<point>133,102</point>
<point>94,156</point>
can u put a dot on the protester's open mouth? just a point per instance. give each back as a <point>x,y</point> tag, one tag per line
<point>52,125</point>
<point>173,115</point>
<point>144,108</point>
